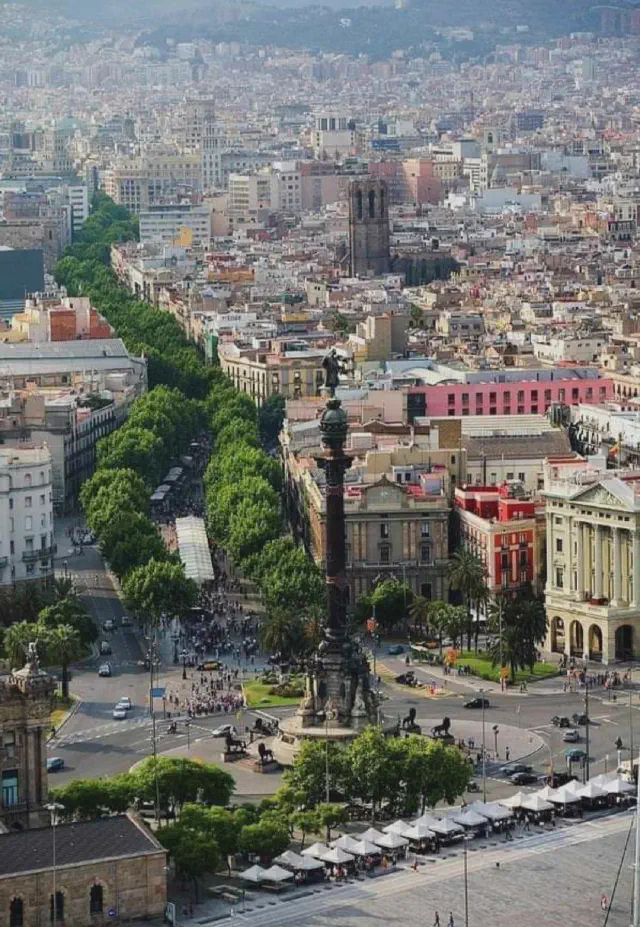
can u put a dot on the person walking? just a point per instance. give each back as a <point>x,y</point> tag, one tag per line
<point>451,922</point>
<point>436,920</point>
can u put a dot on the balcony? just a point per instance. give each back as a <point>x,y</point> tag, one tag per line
<point>41,553</point>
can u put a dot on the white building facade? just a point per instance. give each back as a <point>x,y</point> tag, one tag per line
<point>26,516</point>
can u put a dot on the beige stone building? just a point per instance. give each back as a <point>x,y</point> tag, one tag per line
<point>286,367</point>
<point>111,870</point>
<point>25,705</point>
<point>593,562</point>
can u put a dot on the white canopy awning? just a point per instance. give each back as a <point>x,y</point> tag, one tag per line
<point>418,832</point>
<point>253,875</point>
<point>469,818</point>
<point>492,810</point>
<point>591,790</point>
<point>276,874</point>
<point>371,834</point>
<point>391,841</point>
<point>564,796</point>
<point>337,856</point>
<point>446,828</point>
<point>193,548</point>
<point>619,786</point>
<point>514,801</point>
<point>345,843</point>
<point>319,850</point>
<point>365,848</point>
<point>289,858</point>
<point>535,803</point>
<point>398,827</point>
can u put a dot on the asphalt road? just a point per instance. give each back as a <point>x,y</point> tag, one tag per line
<point>93,744</point>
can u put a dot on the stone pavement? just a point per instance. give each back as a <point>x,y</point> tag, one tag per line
<point>520,741</point>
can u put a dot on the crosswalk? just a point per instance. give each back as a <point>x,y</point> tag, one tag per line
<point>314,901</point>
<point>110,729</point>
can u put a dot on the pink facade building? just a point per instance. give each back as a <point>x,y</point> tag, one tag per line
<point>525,392</point>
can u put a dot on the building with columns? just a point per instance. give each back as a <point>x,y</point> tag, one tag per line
<point>593,561</point>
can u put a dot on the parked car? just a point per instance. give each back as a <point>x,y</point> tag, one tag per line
<point>54,763</point>
<point>571,736</point>
<point>223,730</point>
<point>395,650</point>
<point>580,718</point>
<point>575,755</point>
<point>208,666</point>
<point>126,701</point>
<point>120,712</point>
<point>523,778</point>
<point>557,779</point>
<point>561,721</point>
<point>477,703</point>
<point>104,669</point>
<point>105,648</point>
<point>109,625</point>
<point>512,768</point>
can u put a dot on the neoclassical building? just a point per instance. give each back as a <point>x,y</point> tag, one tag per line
<point>593,562</point>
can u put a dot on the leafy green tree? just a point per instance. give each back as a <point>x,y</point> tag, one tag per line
<point>265,839</point>
<point>295,584</point>
<point>307,776</point>
<point>390,601</point>
<point>251,526</point>
<point>137,449</point>
<point>70,611</point>
<point>131,540</point>
<point>419,612</point>
<point>282,633</point>
<point>372,768</point>
<point>62,647</point>
<point>467,576</point>
<point>524,627</point>
<point>331,815</point>
<point>219,823</point>
<point>193,854</point>
<point>307,822</point>
<point>21,604</point>
<point>223,499</point>
<point>432,773</point>
<point>181,781</point>
<point>86,799</point>
<point>17,638</point>
<point>159,590</point>
<point>238,431</point>
<point>271,418</point>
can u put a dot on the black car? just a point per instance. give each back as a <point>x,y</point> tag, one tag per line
<point>512,768</point>
<point>477,703</point>
<point>580,718</point>
<point>523,778</point>
<point>561,721</point>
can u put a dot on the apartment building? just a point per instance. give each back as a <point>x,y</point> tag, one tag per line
<point>264,367</point>
<point>175,223</point>
<point>71,319</point>
<point>153,178</point>
<point>593,561</point>
<point>505,527</point>
<point>26,515</point>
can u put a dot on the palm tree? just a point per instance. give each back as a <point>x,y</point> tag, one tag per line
<point>282,633</point>
<point>63,646</point>
<point>438,618</point>
<point>419,611</point>
<point>63,588</point>
<point>17,638</point>
<point>466,575</point>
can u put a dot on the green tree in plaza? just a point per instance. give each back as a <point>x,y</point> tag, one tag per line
<point>271,418</point>
<point>136,448</point>
<point>70,611</point>
<point>282,633</point>
<point>17,638</point>
<point>419,613</point>
<point>130,540</point>
<point>390,601</point>
<point>192,853</point>
<point>265,839</point>
<point>331,815</point>
<point>306,822</point>
<point>520,631</point>
<point>238,431</point>
<point>223,499</point>
<point>181,781</point>
<point>307,777</point>
<point>467,576</point>
<point>295,584</point>
<point>159,590</point>
<point>111,492</point>
<point>372,768</point>
<point>432,773</point>
<point>86,799</point>
<point>219,823</point>
<point>241,460</point>
<point>448,621</point>
<point>24,603</point>
<point>62,647</point>
<point>251,525</point>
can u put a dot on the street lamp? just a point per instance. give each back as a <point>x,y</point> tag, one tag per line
<point>467,837</point>
<point>184,664</point>
<point>484,752</point>
<point>53,809</point>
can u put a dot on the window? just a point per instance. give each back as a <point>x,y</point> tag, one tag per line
<point>534,395</point>
<point>507,395</point>
<point>384,530</point>
<point>494,479</point>
<point>505,561</point>
<point>27,479</point>
<point>16,913</point>
<point>9,787</point>
<point>547,395</point>
<point>425,553</point>
<point>59,916</point>
<point>28,523</point>
<point>561,395</point>
<point>12,546</point>
<point>523,560</point>
<point>96,900</point>
<point>521,476</point>
<point>10,504</point>
<point>424,530</point>
<point>559,579</point>
<point>465,397</point>
<point>575,394</point>
<point>492,397</point>
<point>521,395</point>
<point>451,398</point>
<point>385,554</point>
<point>509,476</point>
<point>42,498</point>
<point>28,500</point>
<point>425,590</point>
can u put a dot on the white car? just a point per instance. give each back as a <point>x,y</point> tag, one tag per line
<point>125,701</point>
<point>223,730</point>
<point>120,712</point>
<point>104,669</point>
<point>571,736</point>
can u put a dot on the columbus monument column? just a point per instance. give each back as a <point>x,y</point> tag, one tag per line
<point>339,701</point>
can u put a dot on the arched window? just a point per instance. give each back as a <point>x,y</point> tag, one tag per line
<point>59,907</point>
<point>27,479</point>
<point>372,204</point>
<point>16,913</point>
<point>359,204</point>
<point>96,900</point>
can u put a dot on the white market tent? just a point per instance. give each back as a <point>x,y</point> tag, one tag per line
<point>345,843</point>
<point>469,818</point>
<point>391,841</point>
<point>573,786</point>
<point>619,786</point>
<point>366,848</point>
<point>371,834</point>
<point>547,793</point>
<point>337,856</point>
<point>537,804</point>
<point>493,810</point>
<point>514,801</point>
<point>446,828</point>
<point>398,827</point>
<point>564,796</point>
<point>276,874</point>
<point>193,548</point>
<point>418,832</point>
<point>591,790</point>
<point>603,778</point>
<point>318,850</point>
<point>253,875</point>
<point>427,819</point>
<point>289,858</point>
